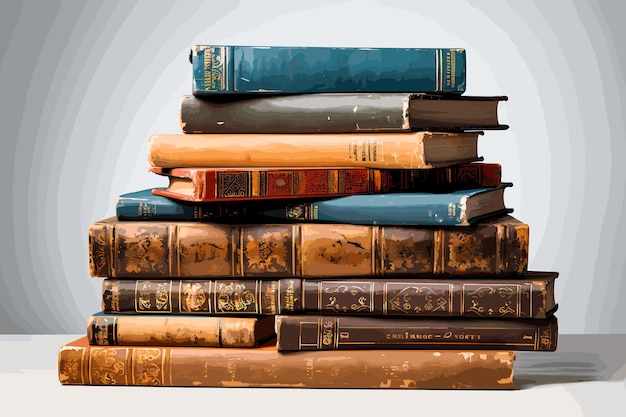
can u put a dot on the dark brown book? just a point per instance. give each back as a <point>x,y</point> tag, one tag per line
<point>82,364</point>
<point>339,113</point>
<point>528,296</point>
<point>180,330</point>
<point>355,332</point>
<point>200,184</point>
<point>140,249</point>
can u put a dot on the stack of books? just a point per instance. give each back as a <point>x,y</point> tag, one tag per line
<point>328,223</point>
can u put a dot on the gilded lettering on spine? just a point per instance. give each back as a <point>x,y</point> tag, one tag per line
<point>215,66</point>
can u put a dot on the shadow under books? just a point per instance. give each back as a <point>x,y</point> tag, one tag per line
<point>578,358</point>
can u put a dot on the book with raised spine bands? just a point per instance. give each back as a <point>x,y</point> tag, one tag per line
<point>528,296</point>
<point>163,249</point>
<point>82,364</point>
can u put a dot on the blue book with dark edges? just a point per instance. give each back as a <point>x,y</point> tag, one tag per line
<point>220,69</point>
<point>457,208</point>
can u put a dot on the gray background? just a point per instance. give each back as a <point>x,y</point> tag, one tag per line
<point>84,83</point>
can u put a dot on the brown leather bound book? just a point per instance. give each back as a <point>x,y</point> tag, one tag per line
<point>179,330</point>
<point>82,364</point>
<point>334,113</point>
<point>529,296</point>
<point>407,150</point>
<point>352,332</point>
<point>199,184</point>
<point>140,249</point>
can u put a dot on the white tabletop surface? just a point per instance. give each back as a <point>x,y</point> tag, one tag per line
<point>586,376</point>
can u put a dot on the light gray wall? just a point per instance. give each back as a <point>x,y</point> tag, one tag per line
<point>84,83</point>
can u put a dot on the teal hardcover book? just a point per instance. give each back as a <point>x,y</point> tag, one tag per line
<point>219,69</point>
<point>143,205</point>
<point>458,208</point>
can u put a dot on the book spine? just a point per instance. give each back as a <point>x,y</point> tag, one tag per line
<point>259,184</point>
<point>509,297</point>
<point>458,177</point>
<point>199,250</point>
<point>408,209</point>
<point>201,297</point>
<point>307,113</point>
<point>215,367</point>
<point>246,69</point>
<point>480,298</point>
<point>353,332</point>
<point>120,330</point>
<point>412,150</point>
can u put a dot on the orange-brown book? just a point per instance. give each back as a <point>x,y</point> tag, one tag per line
<point>157,249</point>
<point>82,364</point>
<point>179,330</point>
<point>201,184</point>
<point>406,150</point>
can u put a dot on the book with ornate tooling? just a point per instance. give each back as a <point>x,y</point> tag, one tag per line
<point>200,184</point>
<point>82,364</point>
<point>527,296</point>
<point>405,150</point>
<point>140,249</point>
<point>337,113</point>
<point>316,332</point>
<point>180,330</point>
<point>237,69</point>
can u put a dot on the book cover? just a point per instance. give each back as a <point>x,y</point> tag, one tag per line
<point>228,69</point>
<point>198,184</point>
<point>527,296</point>
<point>406,150</point>
<point>82,364</point>
<point>456,208</point>
<point>106,329</point>
<point>164,249</point>
<point>143,205</point>
<point>338,113</point>
<point>313,332</point>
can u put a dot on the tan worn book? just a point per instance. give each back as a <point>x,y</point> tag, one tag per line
<point>82,364</point>
<point>180,330</point>
<point>414,150</point>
